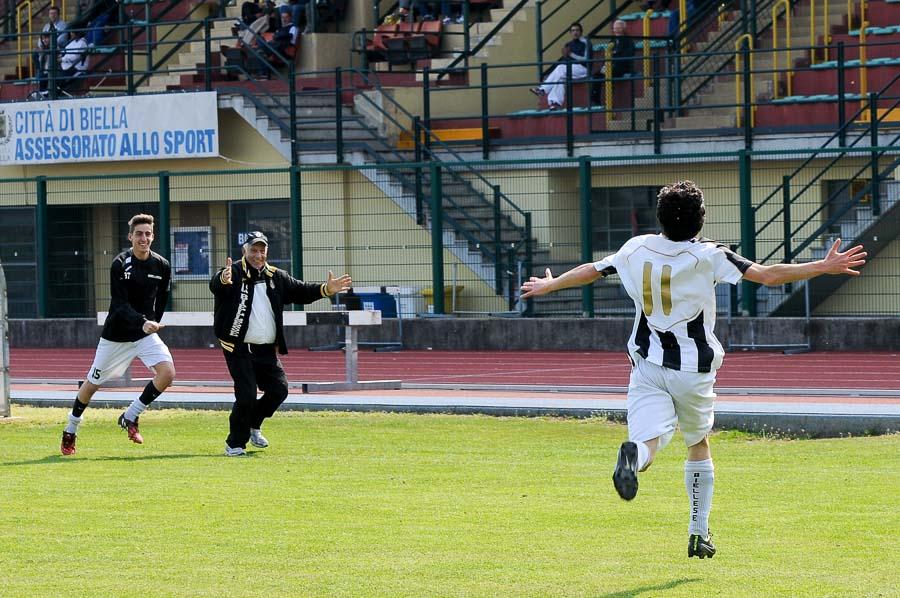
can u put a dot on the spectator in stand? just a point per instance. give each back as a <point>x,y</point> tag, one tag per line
<point>42,62</point>
<point>622,59</point>
<point>285,37</point>
<point>74,60</point>
<point>97,29</point>
<point>248,34</point>
<point>295,8</point>
<point>447,9</point>
<point>577,56</point>
<point>403,13</point>
<point>250,11</point>
<point>55,23</point>
<point>274,15</point>
<point>623,51</point>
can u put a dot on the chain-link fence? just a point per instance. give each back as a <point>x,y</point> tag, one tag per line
<point>498,223</point>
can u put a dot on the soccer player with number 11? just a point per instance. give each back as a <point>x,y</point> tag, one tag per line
<point>671,278</point>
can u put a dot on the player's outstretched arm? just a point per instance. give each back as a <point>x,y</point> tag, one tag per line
<point>835,262</point>
<point>576,277</point>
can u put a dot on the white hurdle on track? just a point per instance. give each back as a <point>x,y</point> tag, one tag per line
<point>350,320</point>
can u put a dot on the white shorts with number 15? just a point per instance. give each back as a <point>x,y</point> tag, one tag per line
<point>112,358</point>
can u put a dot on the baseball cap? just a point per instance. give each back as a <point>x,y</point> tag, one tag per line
<point>256,237</point>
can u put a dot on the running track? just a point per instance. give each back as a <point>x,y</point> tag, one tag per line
<point>810,371</point>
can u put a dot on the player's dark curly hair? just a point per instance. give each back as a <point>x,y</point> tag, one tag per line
<point>680,210</point>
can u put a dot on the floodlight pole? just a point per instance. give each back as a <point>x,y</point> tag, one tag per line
<point>4,348</point>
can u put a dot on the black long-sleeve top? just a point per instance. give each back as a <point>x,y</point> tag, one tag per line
<point>140,291</point>
<point>234,301</point>
<point>623,55</point>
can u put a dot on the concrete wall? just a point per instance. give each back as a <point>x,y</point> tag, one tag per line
<point>601,334</point>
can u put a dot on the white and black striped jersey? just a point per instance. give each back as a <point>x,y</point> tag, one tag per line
<point>672,284</point>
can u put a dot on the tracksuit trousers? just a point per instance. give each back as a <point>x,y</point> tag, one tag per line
<point>252,367</point>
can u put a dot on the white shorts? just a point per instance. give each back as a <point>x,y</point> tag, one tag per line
<point>660,398</point>
<point>112,358</point>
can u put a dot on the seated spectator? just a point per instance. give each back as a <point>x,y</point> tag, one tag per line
<point>42,62</point>
<point>73,60</point>
<point>403,13</point>
<point>53,24</point>
<point>274,16</point>
<point>577,55</point>
<point>249,35</point>
<point>622,53</point>
<point>297,9</point>
<point>250,11</point>
<point>98,28</point>
<point>622,58</point>
<point>285,37</point>
<point>447,10</point>
<point>248,38</point>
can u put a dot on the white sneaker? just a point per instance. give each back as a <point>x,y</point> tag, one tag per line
<point>234,452</point>
<point>257,439</point>
<point>460,20</point>
<point>446,21</point>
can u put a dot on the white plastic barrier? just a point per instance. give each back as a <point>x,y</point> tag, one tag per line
<point>350,320</point>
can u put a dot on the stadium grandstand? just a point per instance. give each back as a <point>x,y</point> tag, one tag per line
<point>404,146</point>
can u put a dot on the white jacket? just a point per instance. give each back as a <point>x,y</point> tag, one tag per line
<point>75,55</point>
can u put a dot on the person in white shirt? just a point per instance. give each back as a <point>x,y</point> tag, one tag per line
<point>671,278</point>
<point>577,57</point>
<point>74,57</point>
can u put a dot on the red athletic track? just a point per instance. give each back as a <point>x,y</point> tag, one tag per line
<point>850,371</point>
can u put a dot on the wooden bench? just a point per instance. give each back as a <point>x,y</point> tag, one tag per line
<point>466,134</point>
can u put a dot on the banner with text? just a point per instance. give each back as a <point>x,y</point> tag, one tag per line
<point>153,127</point>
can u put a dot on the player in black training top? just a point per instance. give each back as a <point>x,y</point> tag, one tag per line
<point>139,286</point>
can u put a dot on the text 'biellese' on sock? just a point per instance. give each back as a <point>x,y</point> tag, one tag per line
<point>699,479</point>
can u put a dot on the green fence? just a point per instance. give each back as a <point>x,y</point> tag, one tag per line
<point>58,235</point>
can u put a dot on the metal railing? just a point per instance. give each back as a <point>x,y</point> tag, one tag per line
<point>785,5</point>
<point>4,348</point>
<point>744,84</point>
<point>862,13</point>
<point>487,38</point>
<point>359,224</point>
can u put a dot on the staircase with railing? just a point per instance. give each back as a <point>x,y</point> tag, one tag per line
<point>702,91</point>
<point>863,207</point>
<point>483,228</point>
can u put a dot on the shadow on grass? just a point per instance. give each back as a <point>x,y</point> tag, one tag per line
<point>650,589</point>
<point>52,459</point>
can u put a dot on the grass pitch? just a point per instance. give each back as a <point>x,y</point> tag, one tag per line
<point>431,505</point>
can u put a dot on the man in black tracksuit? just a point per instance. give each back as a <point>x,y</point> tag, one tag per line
<point>250,296</point>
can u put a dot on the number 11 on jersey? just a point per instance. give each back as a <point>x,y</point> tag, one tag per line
<point>665,289</point>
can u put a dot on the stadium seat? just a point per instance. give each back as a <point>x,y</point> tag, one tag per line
<point>404,43</point>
